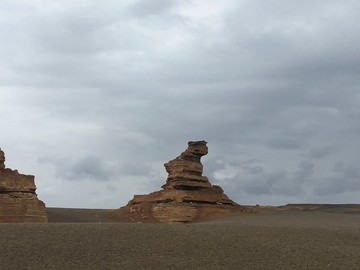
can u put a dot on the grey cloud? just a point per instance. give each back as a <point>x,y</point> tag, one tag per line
<point>349,171</point>
<point>305,170</point>
<point>257,181</point>
<point>258,189</point>
<point>253,169</point>
<point>85,168</point>
<point>134,169</point>
<point>213,164</point>
<point>88,168</point>
<point>321,152</point>
<point>276,82</point>
<point>267,183</point>
<point>346,178</point>
<point>145,8</point>
<point>336,185</point>
<point>286,143</point>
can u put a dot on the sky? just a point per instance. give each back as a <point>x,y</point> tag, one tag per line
<point>96,96</point>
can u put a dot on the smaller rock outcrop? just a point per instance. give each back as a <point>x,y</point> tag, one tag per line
<point>186,196</point>
<point>18,199</point>
<point>2,160</point>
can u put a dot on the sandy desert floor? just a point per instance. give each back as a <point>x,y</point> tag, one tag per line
<point>325,238</point>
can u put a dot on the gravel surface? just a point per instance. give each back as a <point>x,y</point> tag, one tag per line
<point>265,240</point>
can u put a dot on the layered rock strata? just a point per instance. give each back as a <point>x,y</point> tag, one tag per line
<point>186,196</point>
<point>18,199</point>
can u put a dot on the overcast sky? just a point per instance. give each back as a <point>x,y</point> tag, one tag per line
<point>96,96</point>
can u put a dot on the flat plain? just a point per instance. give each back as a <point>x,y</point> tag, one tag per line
<point>295,237</point>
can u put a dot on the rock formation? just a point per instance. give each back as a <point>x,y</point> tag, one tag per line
<point>18,200</point>
<point>186,196</point>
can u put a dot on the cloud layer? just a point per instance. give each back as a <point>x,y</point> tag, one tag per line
<point>95,97</point>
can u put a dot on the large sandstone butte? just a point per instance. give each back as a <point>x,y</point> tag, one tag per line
<point>186,196</point>
<point>18,200</point>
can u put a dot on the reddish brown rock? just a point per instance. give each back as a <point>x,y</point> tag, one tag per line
<point>2,160</point>
<point>18,200</point>
<point>187,195</point>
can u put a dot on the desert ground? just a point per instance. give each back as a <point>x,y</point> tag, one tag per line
<point>290,237</point>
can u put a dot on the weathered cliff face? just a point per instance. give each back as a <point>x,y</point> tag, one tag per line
<point>18,200</point>
<point>187,195</point>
